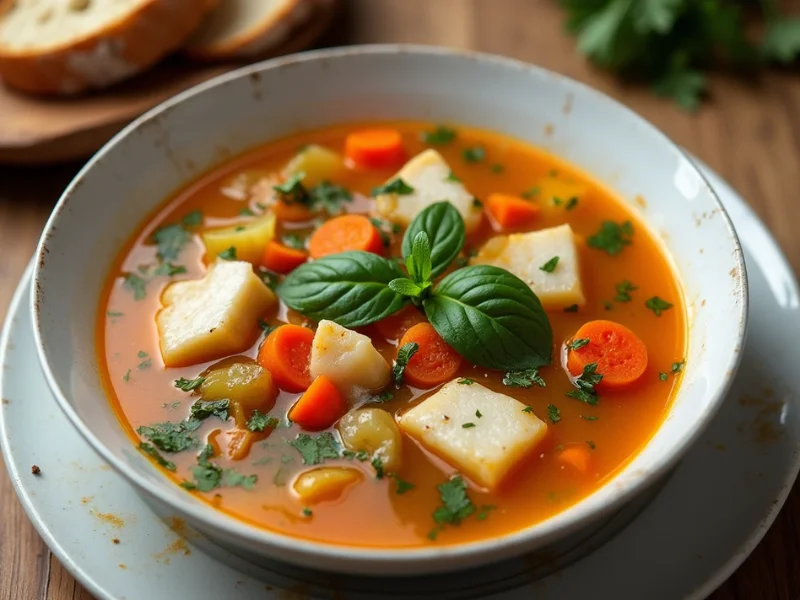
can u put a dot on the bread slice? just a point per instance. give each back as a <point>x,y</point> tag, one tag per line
<point>247,29</point>
<point>69,46</point>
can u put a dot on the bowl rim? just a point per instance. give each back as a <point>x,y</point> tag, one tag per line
<point>504,545</point>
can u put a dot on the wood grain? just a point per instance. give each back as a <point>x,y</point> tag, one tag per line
<point>750,133</point>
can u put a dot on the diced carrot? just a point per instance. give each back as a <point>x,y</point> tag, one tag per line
<point>293,212</point>
<point>378,148</point>
<point>576,456</point>
<point>320,406</point>
<point>434,363</point>
<point>340,234</point>
<point>286,354</point>
<point>240,442</point>
<point>282,259</point>
<point>620,355</point>
<point>511,212</point>
<point>394,326</point>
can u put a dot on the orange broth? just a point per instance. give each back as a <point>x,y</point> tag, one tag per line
<point>372,513</point>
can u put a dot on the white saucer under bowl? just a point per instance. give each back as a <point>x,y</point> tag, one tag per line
<point>703,523</point>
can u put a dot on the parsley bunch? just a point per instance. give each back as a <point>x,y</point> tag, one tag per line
<point>671,43</point>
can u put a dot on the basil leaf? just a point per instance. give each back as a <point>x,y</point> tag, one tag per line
<point>418,263</point>
<point>492,318</point>
<point>351,288</point>
<point>445,229</point>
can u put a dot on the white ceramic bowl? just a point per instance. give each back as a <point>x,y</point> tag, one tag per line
<point>198,129</point>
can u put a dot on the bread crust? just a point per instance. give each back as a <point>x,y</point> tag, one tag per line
<point>118,51</point>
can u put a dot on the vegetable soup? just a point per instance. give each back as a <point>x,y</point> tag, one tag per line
<point>392,335</point>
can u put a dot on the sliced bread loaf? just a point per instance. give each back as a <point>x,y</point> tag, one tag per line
<point>69,46</point>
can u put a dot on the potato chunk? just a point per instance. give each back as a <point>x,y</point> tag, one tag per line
<point>373,430</point>
<point>319,164</point>
<point>349,360</point>
<point>485,448</point>
<point>429,175</point>
<point>244,382</point>
<point>217,315</point>
<point>524,253</point>
<point>249,238</point>
<point>325,483</point>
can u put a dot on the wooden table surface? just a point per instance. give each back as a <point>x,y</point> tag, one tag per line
<point>750,133</point>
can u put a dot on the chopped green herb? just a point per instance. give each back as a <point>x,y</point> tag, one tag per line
<point>202,410</point>
<point>192,219</point>
<point>607,305</point>
<point>657,305</point>
<point>456,505</point>
<point>187,385</point>
<point>452,177</point>
<point>307,512</point>
<point>591,444</point>
<point>292,190</point>
<point>382,397</point>
<point>624,289</point>
<point>170,241</point>
<point>167,269</point>
<point>404,354</point>
<point>578,343</point>
<point>474,154</point>
<point>477,204</point>
<point>266,327</point>
<point>113,314</point>
<point>612,237</point>
<point>136,285</point>
<point>315,450</point>
<point>571,203</point>
<point>246,212</point>
<point>677,367</point>
<point>377,464</point>
<point>127,377</point>
<point>240,228</point>
<point>663,376</point>
<point>531,192</point>
<point>466,381</point>
<point>528,409</point>
<point>231,478</point>
<point>585,384</point>
<point>170,437</point>
<point>498,168</point>
<point>208,476</point>
<point>441,135</point>
<point>572,308</point>
<point>484,512</point>
<point>524,379</point>
<point>270,279</point>
<point>385,228</point>
<point>402,486</point>
<point>259,421</point>
<point>468,425</point>
<point>145,364</point>
<point>279,479</point>
<point>142,354</point>
<point>395,186</point>
<point>588,417</point>
<point>553,413</point>
<point>151,451</point>
<point>229,254</point>
<point>557,201</point>
<point>292,240</point>
<point>550,265</point>
<point>330,196</point>
<point>478,414</point>
<point>172,405</point>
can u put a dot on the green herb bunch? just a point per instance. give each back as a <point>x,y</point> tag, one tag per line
<point>672,43</point>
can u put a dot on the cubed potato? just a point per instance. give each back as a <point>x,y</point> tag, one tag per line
<point>373,430</point>
<point>524,253</point>
<point>486,448</point>
<point>244,382</point>
<point>215,316</point>
<point>249,238</point>
<point>319,164</point>
<point>349,360</point>
<point>429,175</point>
<point>325,483</point>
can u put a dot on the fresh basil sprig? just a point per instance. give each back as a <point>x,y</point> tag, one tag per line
<point>488,315</point>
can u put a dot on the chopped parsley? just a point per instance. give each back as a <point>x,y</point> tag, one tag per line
<point>607,305</point>
<point>150,450</point>
<point>657,305</point>
<point>270,279</point>
<point>571,203</point>
<point>127,377</point>
<point>228,254</point>
<point>142,354</point>
<point>292,240</point>
<point>192,219</point>
<point>456,504</point>
<point>553,413</point>
<point>292,191</point>
<point>477,204</point>
<point>404,354</point>
<point>315,450</point>
<point>578,343</point>
<point>135,285</point>
<point>167,269</point>
<point>591,444</point>
<point>663,376</point>
<point>170,240</point>
<point>478,414</point>
<point>330,197</point>
<point>377,464</point>
<point>584,384</point>
<point>259,422</point>
<point>208,476</point>
<point>145,364</point>
<point>531,192</point>
<point>171,437</point>
<point>452,177</point>
<point>385,228</point>
<point>402,485</point>
<point>589,417</point>
<point>572,308</point>
<point>307,512</point>
<point>528,409</point>
<point>202,410</point>
<point>677,367</point>
<point>382,397</point>
<point>361,455</point>
<point>524,379</point>
<point>612,237</point>
<point>246,212</point>
<point>550,265</point>
<point>474,154</point>
<point>266,327</point>
<point>484,512</point>
<point>187,385</point>
<point>441,135</point>
<point>466,381</point>
<point>498,168</point>
<point>624,289</point>
<point>395,186</point>
<point>113,314</point>
<point>468,425</point>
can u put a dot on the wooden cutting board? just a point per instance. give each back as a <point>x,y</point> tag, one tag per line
<point>49,130</point>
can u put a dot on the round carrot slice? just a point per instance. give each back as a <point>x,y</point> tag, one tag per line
<point>286,354</point>
<point>340,234</point>
<point>434,363</point>
<point>320,406</point>
<point>620,355</point>
<point>378,148</point>
<point>282,259</point>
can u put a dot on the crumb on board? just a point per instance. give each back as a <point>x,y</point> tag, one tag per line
<point>115,541</point>
<point>36,470</point>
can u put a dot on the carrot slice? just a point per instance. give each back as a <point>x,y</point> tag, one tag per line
<point>282,259</point>
<point>434,363</point>
<point>511,212</point>
<point>320,407</point>
<point>394,326</point>
<point>378,148</point>
<point>620,355</point>
<point>340,234</point>
<point>293,212</point>
<point>286,354</point>
<point>576,456</point>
